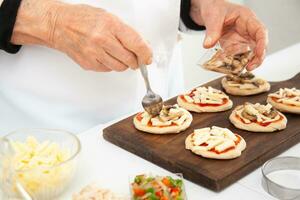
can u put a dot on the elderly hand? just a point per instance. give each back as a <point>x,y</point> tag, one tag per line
<point>225,20</point>
<point>94,38</point>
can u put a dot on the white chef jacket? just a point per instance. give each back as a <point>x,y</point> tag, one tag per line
<point>44,88</point>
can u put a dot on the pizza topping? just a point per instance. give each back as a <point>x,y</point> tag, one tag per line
<point>214,139</point>
<point>204,96</point>
<point>287,96</point>
<point>245,81</point>
<point>169,116</point>
<point>228,64</point>
<point>262,114</point>
<point>35,164</point>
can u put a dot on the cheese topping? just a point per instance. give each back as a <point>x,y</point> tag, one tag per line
<point>216,138</point>
<point>287,96</point>
<point>257,112</point>
<point>34,163</point>
<point>168,116</point>
<point>206,95</point>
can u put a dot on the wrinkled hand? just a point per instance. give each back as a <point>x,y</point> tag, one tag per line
<point>224,20</point>
<point>94,38</point>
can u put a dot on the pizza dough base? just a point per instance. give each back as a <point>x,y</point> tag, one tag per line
<point>164,130</point>
<point>253,127</point>
<point>283,107</point>
<point>242,92</point>
<point>234,153</point>
<point>199,109</point>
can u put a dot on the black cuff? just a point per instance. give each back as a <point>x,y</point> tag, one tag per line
<point>186,18</point>
<point>8,15</point>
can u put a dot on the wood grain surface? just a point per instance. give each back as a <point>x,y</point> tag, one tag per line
<point>168,151</point>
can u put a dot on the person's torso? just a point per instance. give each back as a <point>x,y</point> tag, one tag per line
<point>49,85</point>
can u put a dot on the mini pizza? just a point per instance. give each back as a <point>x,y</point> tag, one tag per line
<point>216,143</point>
<point>244,85</point>
<point>228,64</point>
<point>172,119</point>
<point>286,100</point>
<point>205,99</point>
<point>258,118</point>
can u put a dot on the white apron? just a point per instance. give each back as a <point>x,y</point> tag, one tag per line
<point>44,88</point>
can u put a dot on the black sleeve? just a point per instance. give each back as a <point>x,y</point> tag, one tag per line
<point>186,18</point>
<point>8,15</point>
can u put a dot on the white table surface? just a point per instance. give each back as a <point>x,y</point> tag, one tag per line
<point>110,166</point>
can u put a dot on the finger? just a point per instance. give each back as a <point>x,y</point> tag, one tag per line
<point>256,62</point>
<point>132,41</point>
<point>214,25</point>
<point>90,64</point>
<point>116,49</point>
<point>100,67</point>
<point>259,34</point>
<point>111,62</point>
<point>235,49</point>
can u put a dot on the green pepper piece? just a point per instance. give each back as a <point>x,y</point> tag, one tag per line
<point>179,183</point>
<point>153,197</point>
<point>150,190</point>
<point>139,179</point>
<point>149,179</point>
<point>179,198</point>
<point>172,181</point>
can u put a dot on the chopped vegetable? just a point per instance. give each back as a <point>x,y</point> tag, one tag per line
<point>139,192</point>
<point>157,188</point>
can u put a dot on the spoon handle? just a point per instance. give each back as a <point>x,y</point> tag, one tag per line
<point>144,73</point>
<point>7,152</point>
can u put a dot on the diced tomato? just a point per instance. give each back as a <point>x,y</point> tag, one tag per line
<point>139,192</point>
<point>164,198</point>
<point>175,191</point>
<point>159,193</point>
<point>166,181</point>
<point>139,117</point>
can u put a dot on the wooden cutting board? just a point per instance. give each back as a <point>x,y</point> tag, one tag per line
<point>168,151</point>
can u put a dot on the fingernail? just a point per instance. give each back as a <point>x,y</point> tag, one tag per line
<point>207,41</point>
<point>264,53</point>
<point>253,67</point>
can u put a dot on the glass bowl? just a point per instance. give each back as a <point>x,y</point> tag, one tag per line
<point>227,56</point>
<point>174,176</point>
<point>51,168</point>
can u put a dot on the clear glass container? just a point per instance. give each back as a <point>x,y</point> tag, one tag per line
<point>39,181</point>
<point>176,176</point>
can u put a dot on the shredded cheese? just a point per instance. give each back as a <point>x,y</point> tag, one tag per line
<point>206,95</point>
<point>287,96</point>
<point>37,165</point>
<point>218,138</point>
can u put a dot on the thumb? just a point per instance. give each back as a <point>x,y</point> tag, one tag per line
<point>214,26</point>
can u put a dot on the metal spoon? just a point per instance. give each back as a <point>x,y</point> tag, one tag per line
<point>151,102</point>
